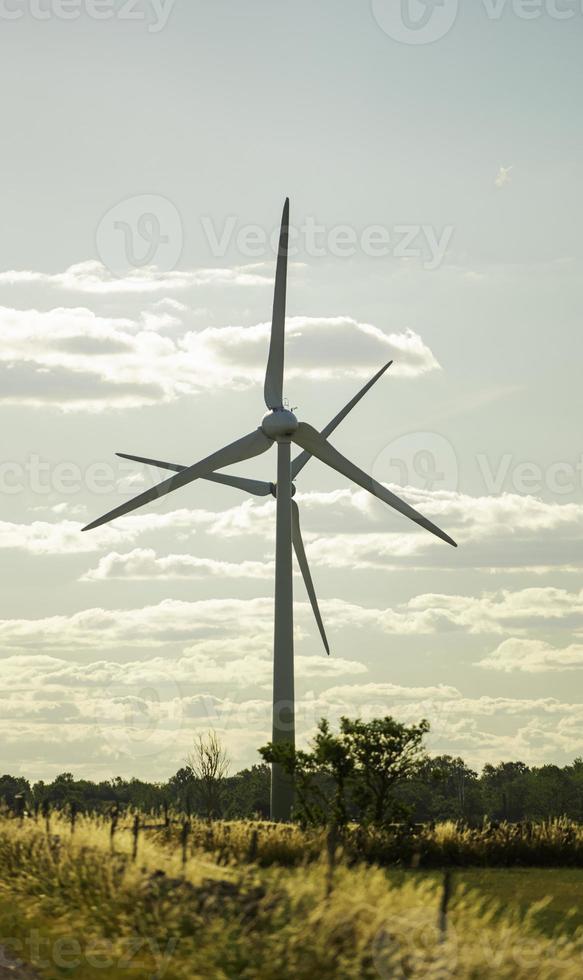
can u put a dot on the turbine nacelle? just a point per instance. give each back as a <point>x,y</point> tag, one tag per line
<point>280,423</point>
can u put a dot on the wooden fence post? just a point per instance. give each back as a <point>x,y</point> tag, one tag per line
<point>444,905</point>
<point>135,835</point>
<point>113,827</point>
<point>331,849</point>
<point>184,841</point>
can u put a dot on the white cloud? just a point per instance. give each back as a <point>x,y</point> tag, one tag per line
<point>317,347</point>
<point>518,529</point>
<point>171,621</point>
<point>503,611</point>
<point>138,717</point>
<point>66,537</point>
<point>143,564</point>
<point>94,278</point>
<point>511,527</point>
<point>141,714</point>
<point>76,359</point>
<point>205,663</point>
<point>531,656</point>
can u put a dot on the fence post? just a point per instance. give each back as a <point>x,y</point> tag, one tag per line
<point>46,812</point>
<point>331,849</point>
<point>184,841</point>
<point>135,835</point>
<point>253,845</point>
<point>113,827</point>
<point>444,905</point>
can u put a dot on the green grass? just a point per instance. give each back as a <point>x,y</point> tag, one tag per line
<point>519,889</point>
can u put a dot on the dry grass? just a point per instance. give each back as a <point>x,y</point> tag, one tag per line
<point>236,919</point>
<point>557,843</point>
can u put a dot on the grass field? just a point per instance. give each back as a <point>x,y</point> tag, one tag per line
<point>79,905</point>
<point>519,889</point>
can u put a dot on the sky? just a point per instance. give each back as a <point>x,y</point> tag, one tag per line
<point>432,154</point>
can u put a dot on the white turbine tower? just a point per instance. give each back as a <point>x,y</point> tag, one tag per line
<point>282,427</point>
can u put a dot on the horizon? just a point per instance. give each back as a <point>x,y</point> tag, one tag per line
<point>260,763</point>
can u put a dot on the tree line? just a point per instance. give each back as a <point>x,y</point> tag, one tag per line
<point>369,772</point>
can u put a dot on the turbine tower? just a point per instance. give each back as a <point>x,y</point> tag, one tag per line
<point>279,426</point>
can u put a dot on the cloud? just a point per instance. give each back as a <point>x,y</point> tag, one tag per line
<point>319,347</point>
<point>507,512</point>
<point>95,279</point>
<point>73,358</point>
<point>66,537</point>
<point>499,612</point>
<point>508,532</point>
<point>482,730</point>
<point>170,621</point>
<point>173,621</point>
<point>530,656</point>
<point>205,663</point>
<point>138,717</point>
<point>143,564</point>
<point>505,534</point>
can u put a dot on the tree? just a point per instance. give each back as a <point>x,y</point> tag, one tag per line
<point>384,753</point>
<point>248,793</point>
<point>181,787</point>
<point>551,793</point>
<point>321,777</point>
<point>443,788</point>
<point>12,787</point>
<point>505,790</point>
<point>575,773</point>
<point>208,764</point>
<point>353,773</point>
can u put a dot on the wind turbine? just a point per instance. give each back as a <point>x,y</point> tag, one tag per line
<point>279,426</point>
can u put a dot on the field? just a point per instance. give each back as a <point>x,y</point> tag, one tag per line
<point>233,901</point>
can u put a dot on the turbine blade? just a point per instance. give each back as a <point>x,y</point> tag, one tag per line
<point>300,461</point>
<point>259,488</point>
<point>305,570</point>
<point>273,390</point>
<point>153,462</point>
<point>309,439</point>
<point>250,445</point>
